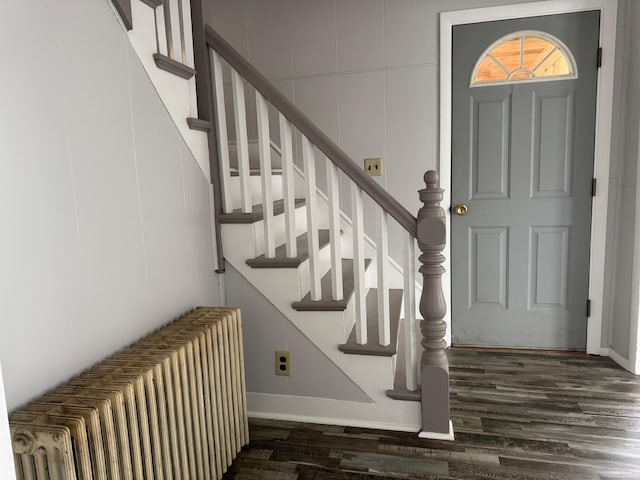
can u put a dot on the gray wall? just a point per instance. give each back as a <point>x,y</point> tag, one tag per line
<point>266,330</point>
<point>104,213</point>
<point>623,179</point>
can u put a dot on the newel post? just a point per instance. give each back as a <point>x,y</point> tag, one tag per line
<point>434,366</point>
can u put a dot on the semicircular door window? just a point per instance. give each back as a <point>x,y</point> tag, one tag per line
<point>524,56</point>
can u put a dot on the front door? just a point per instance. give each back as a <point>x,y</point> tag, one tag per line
<point>522,165</point>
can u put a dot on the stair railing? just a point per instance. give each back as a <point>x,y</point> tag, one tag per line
<point>428,229</point>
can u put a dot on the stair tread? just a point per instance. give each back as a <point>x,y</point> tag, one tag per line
<point>372,347</point>
<point>253,172</point>
<point>327,303</point>
<point>237,216</point>
<point>199,124</point>
<point>173,66</point>
<point>282,261</point>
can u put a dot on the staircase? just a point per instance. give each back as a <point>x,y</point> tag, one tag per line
<point>289,217</point>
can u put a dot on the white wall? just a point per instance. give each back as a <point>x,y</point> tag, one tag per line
<point>7,471</point>
<point>104,213</point>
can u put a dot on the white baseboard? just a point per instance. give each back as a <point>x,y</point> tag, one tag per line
<point>439,436</point>
<point>619,359</point>
<point>321,410</point>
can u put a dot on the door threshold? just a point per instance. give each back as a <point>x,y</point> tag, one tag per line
<point>542,351</point>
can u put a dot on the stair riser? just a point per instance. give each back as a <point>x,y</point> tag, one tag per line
<point>254,156</point>
<point>255,187</point>
<point>257,229</point>
<point>304,279</point>
<point>300,283</point>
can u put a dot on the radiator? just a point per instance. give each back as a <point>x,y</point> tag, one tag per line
<point>171,406</point>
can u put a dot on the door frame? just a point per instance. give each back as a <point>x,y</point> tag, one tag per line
<point>602,149</point>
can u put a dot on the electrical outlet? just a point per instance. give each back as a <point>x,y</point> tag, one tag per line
<point>283,363</point>
<point>373,166</point>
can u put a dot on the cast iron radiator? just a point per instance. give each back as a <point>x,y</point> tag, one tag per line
<point>171,406</point>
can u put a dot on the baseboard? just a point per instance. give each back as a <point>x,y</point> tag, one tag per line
<point>321,410</point>
<point>439,436</point>
<point>619,359</point>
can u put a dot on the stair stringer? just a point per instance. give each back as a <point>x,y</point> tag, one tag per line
<point>177,94</point>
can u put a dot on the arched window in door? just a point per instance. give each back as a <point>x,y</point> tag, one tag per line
<point>524,56</point>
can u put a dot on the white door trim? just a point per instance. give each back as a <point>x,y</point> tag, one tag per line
<point>604,115</point>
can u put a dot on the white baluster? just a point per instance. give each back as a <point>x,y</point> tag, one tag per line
<point>223,137</point>
<point>312,221</point>
<point>242,142</point>
<point>264,151</point>
<point>286,148</point>
<point>172,17</point>
<point>382,256</point>
<point>409,266</point>
<point>186,33</point>
<point>333,193</point>
<point>358,264</point>
<point>168,29</point>
<point>161,32</point>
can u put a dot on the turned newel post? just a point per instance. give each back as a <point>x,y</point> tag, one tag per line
<point>434,366</point>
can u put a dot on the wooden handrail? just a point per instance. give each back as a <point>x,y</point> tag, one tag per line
<point>333,152</point>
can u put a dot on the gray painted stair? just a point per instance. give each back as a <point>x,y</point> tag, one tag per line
<point>282,261</point>
<point>372,347</point>
<point>326,303</point>
<point>400,391</point>
<point>256,214</point>
<point>173,66</point>
<point>254,172</point>
<point>199,124</point>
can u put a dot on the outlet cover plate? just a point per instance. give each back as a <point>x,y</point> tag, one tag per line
<point>283,363</point>
<point>373,166</point>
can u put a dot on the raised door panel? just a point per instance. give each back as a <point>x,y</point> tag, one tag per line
<point>488,266</point>
<point>489,149</point>
<point>552,145</point>
<point>548,267</point>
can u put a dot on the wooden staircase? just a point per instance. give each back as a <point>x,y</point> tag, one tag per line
<point>289,235</point>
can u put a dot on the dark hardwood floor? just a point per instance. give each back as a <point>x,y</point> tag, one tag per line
<point>517,416</point>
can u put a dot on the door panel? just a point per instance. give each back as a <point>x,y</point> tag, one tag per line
<point>552,131</point>
<point>489,129</point>
<point>488,269</point>
<point>522,161</point>
<point>548,267</point>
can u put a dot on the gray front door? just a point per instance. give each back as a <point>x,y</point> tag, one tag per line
<point>522,163</point>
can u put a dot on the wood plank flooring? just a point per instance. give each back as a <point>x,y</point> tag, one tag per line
<point>517,416</point>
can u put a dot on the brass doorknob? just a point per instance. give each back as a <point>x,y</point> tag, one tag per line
<point>461,209</point>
